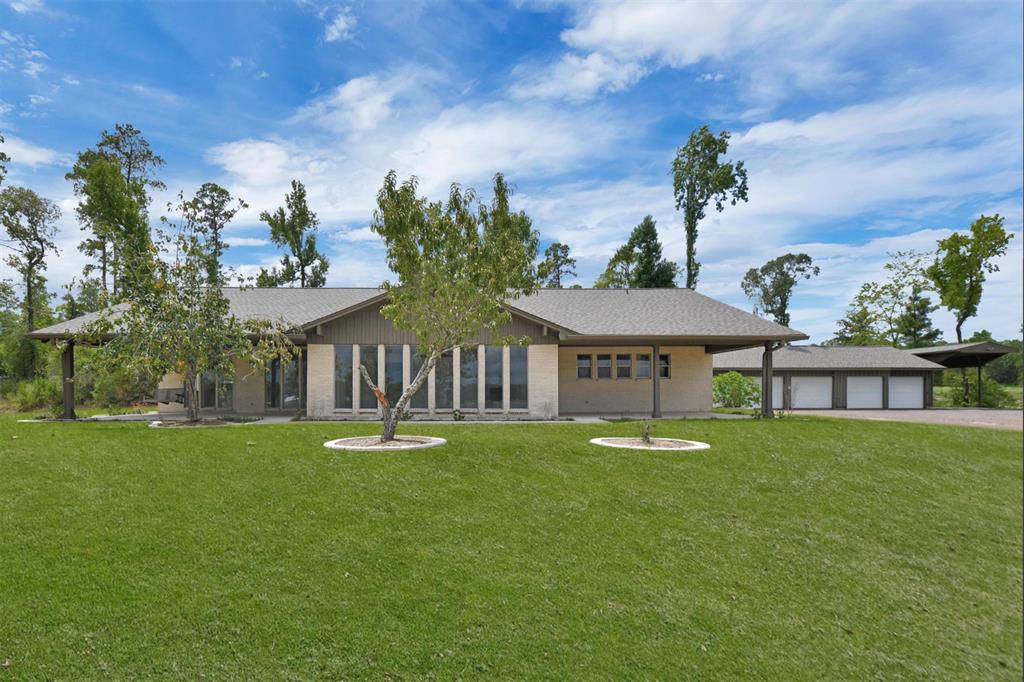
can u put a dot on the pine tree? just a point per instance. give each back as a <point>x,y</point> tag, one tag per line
<point>914,326</point>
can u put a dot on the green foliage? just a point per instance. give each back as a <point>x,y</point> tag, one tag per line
<point>732,389</point>
<point>37,393</point>
<point>859,327</point>
<point>4,160</point>
<point>557,265</point>
<point>914,327</point>
<point>963,262</point>
<point>29,223</point>
<point>294,227</point>
<point>699,177</point>
<point>81,297</point>
<point>993,394</point>
<point>770,287</point>
<point>458,263</point>
<point>210,210</point>
<point>639,264</point>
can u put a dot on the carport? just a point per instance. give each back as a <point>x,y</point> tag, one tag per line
<point>963,355</point>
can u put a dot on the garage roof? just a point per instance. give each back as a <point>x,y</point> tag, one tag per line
<point>849,358</point>
<point>963,354</point>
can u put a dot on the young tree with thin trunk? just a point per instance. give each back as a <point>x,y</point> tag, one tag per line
<point>556,266</point>
<point>771,286</point>
<point>458,264</point>
<point>699,177</point>
<point>294,226</point>
<point>618,273</point>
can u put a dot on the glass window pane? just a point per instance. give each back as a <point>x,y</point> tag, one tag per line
<point>419,398</point>
<point>583,367</point>
<point>517,377</point>
<point>290,385</point>
<point>665,366</point>
<point>444,381</point>
<point>272,384</point>
<point>208,389</point>
<point>493,367</point>
<point>393,373</point>
<point>343,377</point>
<point>604,366</point>
<point>226,391</point>
<point>368,359</point>
<point>643,366</point>
<point>623,366</point>
<point>469,378</point>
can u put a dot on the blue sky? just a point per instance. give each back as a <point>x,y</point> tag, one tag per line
<point>866,127</point>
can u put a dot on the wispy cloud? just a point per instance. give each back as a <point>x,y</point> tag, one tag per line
<point>340,27</point>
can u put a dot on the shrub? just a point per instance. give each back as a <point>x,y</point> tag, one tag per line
<point>732,389</point>
<point>37,393</point>
<point>993,394</point>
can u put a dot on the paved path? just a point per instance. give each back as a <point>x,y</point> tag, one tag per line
<point>995,419</point>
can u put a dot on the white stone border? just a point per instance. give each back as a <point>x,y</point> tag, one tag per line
<point>611,443</point>
<point>339,444</point>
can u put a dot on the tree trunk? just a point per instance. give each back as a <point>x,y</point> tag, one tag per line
<point>393,413</point>
<point>963,370</point>
<point>191,398</point>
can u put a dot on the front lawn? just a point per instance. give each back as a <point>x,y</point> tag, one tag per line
<point>798,548</point>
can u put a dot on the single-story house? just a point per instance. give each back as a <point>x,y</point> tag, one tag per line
<point>590,351</point>
<point>850,377</point>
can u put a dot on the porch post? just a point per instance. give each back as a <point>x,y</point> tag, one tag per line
<point>766,381</point>
<point>67,365</point>
<point>656,370</point>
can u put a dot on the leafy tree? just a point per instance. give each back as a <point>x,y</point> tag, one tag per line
<point>1008,368</point>
<point>860,325</point>
<point>178,323</point>
<point>458,264</point>
<point>639,263</point>
<point>210,210</point>
<point>81,297</point>
<point>700,177</point>
<point>770,287</point>
<point>557,264</point>
<point>889,299</point>
<point>962,264</point>
<point>732,389</point>
<point>295,228</point>
<point>130,151</point>
<point>28,221</point>
<point>914,327</point>
<point>4,160</point>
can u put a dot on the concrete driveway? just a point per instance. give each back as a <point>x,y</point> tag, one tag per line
<point>1012,420</point>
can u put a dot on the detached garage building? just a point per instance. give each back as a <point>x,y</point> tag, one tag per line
<point>842,377</point>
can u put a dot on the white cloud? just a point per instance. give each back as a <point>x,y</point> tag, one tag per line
<point>246,241</point>
<point>32,69</point>
<point>575,77</point>
<point>23,152</point>
<point>340,27</point>
<point>68,80</point>
<point>38,100</point>
<point>710,77</point>
<point>358,105</point>
<point>26,6</point>
<point>238,62</point>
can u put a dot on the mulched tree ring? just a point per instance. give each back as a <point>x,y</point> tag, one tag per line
<point>637,443</point>
<point>374,443</point>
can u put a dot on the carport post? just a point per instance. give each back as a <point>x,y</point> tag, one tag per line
<point>766,381</point>
<point>979,382</point>
<point>67,366</point>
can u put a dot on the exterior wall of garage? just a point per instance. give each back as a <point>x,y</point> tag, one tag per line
<point>687,390</point>
<point>839,383</point>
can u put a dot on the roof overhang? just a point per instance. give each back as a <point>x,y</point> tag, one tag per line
<point>963,355</point>
<point>715,344</point>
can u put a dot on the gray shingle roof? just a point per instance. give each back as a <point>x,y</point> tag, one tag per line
<point>825,358</point>
<point>976,346</point>
<point>587,312</point>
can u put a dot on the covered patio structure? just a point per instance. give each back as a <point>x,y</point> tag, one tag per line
<point>962,355</point>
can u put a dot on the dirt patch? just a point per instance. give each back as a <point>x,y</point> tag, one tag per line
<point>652,444</point>
<point>374,443</point>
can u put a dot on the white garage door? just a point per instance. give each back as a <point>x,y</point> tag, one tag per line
<point>864,393</point>
<point>906,393</point>
<point>811,392</point>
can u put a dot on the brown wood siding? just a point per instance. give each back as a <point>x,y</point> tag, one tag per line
<point>368,326</point>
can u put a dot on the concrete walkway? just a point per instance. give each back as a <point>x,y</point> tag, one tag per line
<point>1012,420</point>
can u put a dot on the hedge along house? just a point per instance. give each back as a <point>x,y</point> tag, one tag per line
<point>841,377</point>
<point>591,351</point>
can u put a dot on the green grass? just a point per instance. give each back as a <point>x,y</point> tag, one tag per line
<point>794,549</point>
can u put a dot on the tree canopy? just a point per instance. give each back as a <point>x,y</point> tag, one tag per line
<point>458,264</point>
<point>771,286</point>
<point>294,226</point>
<point>639,263</point>
<point>209,212</point>
<point>556,266</point>
<point>700,177</point>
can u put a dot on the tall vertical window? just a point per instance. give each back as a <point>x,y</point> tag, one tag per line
<point>604,367</point>
<point>226,390</point>
<point>623,366</point>
<point>444,381</point>
<point>291,387</point>
<point>493,370</point>
<point>208,389</point>
<point>665,366</point>
<point>393,373</point>
<point>469,378</point>
<point>517,375</point>
<point>343,377</point>
<point>419,398</point>
<point>272,384</point>
<point>217,390</point>
<point>583,368</point>
<point>368,359</point>
<point>643,366</point>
